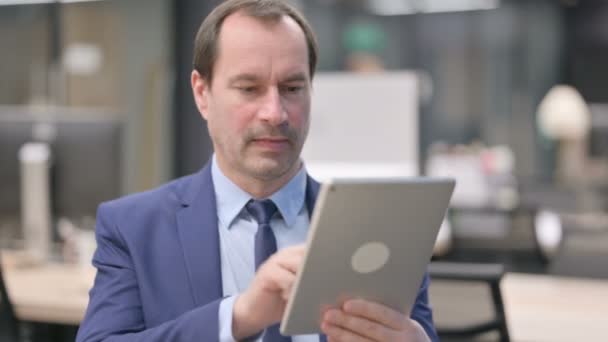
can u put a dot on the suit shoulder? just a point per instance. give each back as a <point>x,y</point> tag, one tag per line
<point>166,196</point>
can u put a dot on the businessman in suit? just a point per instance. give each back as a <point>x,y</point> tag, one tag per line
<point>213,256</point>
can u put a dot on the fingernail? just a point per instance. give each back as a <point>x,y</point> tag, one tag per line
<point>347,306</point>
<point>332,315</point>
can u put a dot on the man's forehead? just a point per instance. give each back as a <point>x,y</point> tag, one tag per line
<point>240,24</point>
<point>244,36</point>
<point>240,20</point>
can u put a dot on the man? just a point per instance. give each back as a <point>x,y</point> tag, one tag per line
<point>189,261</point>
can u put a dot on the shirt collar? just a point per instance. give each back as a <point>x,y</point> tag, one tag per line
<point>231,199</point>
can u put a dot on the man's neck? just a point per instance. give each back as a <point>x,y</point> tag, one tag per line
<point>256,187</point>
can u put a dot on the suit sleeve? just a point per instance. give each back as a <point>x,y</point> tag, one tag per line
<point>422,312</point>
<point>115,311</point>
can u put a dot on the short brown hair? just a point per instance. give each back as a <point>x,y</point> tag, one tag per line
<point>206,42</point>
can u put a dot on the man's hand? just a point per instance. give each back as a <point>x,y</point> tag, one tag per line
<point>263,303</point>
<point>361,320</point>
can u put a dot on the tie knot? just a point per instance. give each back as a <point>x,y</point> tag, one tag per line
<point>261,211</point>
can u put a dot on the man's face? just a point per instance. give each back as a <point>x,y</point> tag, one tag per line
<point>257,106</point>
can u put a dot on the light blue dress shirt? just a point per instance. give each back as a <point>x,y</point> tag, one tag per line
<point>237,230</point>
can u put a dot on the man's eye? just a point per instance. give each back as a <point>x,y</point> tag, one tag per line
<point>250,89</point>
<point>293,89</point>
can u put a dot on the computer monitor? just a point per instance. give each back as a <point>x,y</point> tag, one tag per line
<point>86,166</point>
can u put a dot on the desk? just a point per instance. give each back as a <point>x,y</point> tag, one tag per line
<point>47,293</point>
<point>546,308</point>
<point>539,308</point>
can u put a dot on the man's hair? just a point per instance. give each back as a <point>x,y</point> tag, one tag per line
<point>206,42</point>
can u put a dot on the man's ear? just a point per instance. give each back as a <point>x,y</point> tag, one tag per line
<point>200,90</point>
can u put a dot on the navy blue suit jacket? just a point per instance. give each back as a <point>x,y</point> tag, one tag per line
<point>158,266</point>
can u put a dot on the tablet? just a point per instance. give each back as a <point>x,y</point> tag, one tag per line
<point>369,239</point>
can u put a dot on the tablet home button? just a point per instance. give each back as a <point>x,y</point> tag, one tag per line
<point>370,257</point>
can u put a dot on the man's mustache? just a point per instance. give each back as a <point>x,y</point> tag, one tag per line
<point>282,132</point>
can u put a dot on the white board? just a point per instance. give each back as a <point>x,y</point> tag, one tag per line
<point>363,125</point>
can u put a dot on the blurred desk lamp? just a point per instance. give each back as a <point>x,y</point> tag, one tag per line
<point>564,116</point>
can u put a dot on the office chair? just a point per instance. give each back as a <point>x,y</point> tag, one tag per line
<point>9,326</point>
<point>467,301</point>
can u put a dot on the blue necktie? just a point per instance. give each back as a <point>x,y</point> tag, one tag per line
<point>265,246</point>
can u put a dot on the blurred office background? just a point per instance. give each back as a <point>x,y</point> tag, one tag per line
<point>508,96</point>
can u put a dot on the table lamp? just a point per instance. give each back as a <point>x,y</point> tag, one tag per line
<point>563,116</point>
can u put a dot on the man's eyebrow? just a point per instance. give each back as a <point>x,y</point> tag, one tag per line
<point>242,77</point>
<point>298,77</point>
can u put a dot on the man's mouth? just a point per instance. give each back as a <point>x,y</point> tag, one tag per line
<point>271,143</point>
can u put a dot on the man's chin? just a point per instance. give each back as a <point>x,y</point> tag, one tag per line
<point>270,169</point>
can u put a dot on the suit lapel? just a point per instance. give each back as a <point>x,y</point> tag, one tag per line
<point>312,191</point>
<point>198,233</point>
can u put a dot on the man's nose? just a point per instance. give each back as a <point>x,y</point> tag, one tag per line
<point>272,110</point>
